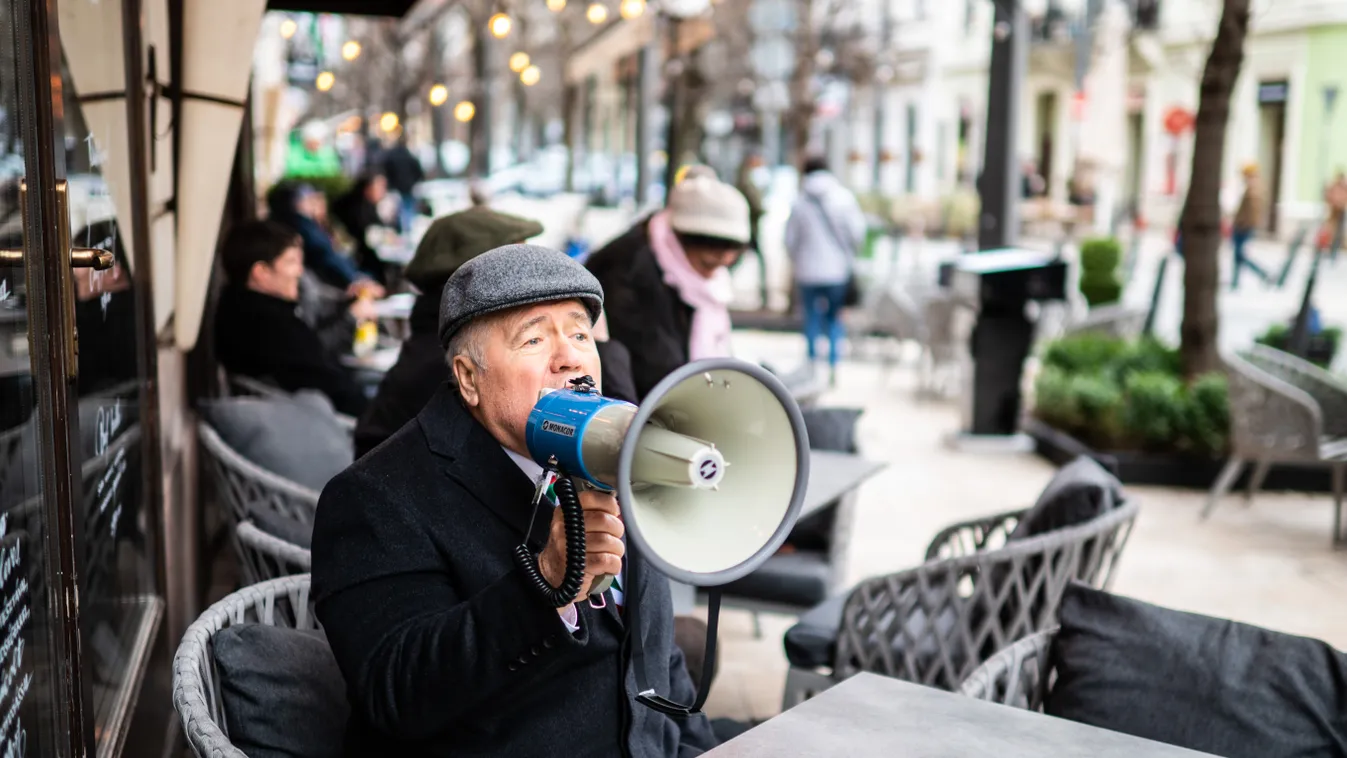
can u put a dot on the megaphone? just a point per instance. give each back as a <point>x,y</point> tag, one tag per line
<point>710,473</point>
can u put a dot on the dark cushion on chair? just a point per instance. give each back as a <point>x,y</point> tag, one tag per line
<point>282,693</point>
<point>1082,490</point>
<point>799,578</point>
<point>283,527</point>
<point>832,428</point>
<point>297,438</point>
<point>812,641</point>
<point>1202,683</point>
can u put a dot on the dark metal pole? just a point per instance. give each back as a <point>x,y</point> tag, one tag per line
<point>481,120</point>
<point>675,87</point>
<point>999,186</point>
<point>647,84</point>
<point>1298,343</point>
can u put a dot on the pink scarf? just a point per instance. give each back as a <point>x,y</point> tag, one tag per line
<point>708,298</point>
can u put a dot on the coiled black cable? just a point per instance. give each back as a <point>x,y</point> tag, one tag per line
<point>573,517</point>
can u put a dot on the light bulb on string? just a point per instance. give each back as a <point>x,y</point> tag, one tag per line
<point>351,50</point>
<point>439,95</point>
<point>631,9</point>
<point>530,76</point>
<point>325,81</point>
<point>500,25</point>
<point>597,13</point>
<point>464,111</point>
<point>388,121</point>
<point>288,28</point>
<point>519,61</point>
<point>556,6</point>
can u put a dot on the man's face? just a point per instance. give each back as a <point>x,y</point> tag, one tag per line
<point>525,350</point>
<point>279,278</point>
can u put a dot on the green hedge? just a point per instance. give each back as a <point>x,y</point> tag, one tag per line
<point>1114,394</point>
<point>1099,259</point>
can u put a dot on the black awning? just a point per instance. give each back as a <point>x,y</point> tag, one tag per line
<point>395,8</point>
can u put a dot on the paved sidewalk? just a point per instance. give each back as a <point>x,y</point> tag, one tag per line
<point>1269,564</point>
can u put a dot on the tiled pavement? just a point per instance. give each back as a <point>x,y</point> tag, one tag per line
<point>1268,564</point>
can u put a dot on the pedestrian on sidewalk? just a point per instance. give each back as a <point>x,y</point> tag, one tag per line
<point>825,230</point>
<point>1244,224</point>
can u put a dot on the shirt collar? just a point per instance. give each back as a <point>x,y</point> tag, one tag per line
<point>530,468</point>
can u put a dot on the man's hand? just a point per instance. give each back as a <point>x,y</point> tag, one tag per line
<point>367,287</point>
<point>363,309</point>
<point>603,542</point>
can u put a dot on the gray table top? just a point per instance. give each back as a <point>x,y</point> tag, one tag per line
<point>869,715</point>
<point>832,475</point>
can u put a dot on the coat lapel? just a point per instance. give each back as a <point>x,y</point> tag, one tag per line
<point>478,463</point>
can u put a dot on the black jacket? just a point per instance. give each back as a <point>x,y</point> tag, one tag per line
<point>644,314</point>
<point>421,368</point>
<point>263,337</point>
<point>446,649</point>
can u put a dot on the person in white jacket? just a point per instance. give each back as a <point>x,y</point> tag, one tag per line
<point>825,229</point>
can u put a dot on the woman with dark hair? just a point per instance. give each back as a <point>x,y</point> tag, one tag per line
<point>666,287</point>
<point>290,204</point>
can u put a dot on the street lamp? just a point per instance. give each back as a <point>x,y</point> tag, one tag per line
<point>597,13</point>
<point>500,25</point>
<point>288,28</point>
<point>530,76</point>
<point>464,111</point>
<point>519,61</point>
<point>631,9</point>
<point>439,95</point>
<point>351,50</point>
<point>325,81</point>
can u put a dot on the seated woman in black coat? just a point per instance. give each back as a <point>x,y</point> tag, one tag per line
<point>666,281</point>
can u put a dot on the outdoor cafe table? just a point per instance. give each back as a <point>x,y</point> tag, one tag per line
<point>869,715</point>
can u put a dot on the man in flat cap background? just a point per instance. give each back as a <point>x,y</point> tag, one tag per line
<point>446,647</point>
<point>421,368</point>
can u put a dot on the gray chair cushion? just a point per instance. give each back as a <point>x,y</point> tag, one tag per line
<point>282,693</point>
<point>799,578</point>
<point>282,528</point>
<point>832,428</point>
<point>1082,490</point>
<point>812,641</point>
<point>297,438</point>
<point>1202,683</point>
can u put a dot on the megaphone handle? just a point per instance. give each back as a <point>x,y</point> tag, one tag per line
<point>599,586</point>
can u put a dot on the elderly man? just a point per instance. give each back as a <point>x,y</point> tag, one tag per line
<point>446,647</point>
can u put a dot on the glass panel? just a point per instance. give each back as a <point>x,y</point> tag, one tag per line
<point>119,604</point>
<point>29,705</point>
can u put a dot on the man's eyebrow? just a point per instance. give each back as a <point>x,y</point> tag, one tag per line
<point>528,325</point>
<point>582,316</point>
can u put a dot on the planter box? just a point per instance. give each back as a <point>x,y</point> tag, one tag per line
<point>1170,470</point>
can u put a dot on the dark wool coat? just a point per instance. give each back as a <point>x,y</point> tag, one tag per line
<point>446,649</point>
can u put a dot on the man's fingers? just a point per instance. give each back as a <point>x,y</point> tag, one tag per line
<point>599,522</point>
<point>599,543</point>
<point>593,500</point>
<point>603,563</point>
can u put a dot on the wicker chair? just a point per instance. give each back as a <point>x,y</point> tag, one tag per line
<point>268,557</point>
<point>1019,676</point>
<point>1283,410</point>
<point>247,490</point>
<point>196,693</point>
<point>976,593</point>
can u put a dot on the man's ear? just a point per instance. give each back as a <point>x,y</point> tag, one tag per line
<point>467,375</point>
<point>258,273</point>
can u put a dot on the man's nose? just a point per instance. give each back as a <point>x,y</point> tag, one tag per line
<point>567,356</point>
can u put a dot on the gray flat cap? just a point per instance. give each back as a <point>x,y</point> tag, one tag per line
<point>511,276</point>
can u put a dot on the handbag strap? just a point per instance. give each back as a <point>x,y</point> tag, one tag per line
<point>828,222</point>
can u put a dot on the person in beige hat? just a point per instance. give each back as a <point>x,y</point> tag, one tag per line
<point>665,279</point>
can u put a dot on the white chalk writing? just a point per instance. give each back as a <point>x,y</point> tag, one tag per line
<point>109,422</point>
<point>14,616</point>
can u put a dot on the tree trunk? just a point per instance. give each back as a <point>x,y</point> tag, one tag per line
<point>1201,218</point>
<point>800,112</point>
